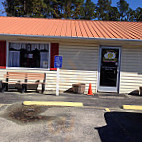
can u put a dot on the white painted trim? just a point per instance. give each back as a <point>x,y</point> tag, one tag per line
<point>20,41</point>
<point>49,57</point>
<point>106,88</point>
<point>97,80</point>
<point>22,68</point>
<point>66,37</point>
<point>7,53</point>
<point>98,73</point>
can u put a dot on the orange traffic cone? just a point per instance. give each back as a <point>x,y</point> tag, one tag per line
<point>90,90</point>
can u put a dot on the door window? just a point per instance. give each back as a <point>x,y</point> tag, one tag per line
<point>109,67</point>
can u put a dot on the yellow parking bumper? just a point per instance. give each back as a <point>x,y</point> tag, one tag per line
<point>132,107</point>
<point>51,103</point>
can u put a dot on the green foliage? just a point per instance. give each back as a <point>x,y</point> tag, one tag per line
<point>73,9</point>
<point>114,14</point>
<point>52,9</point>
<point>138,14</point>
<point>27,8</point>
<point>77,9</point>
<point>103,8</point>
<point>88,10</point>
<point>131,15</point>
<point>123,7</point>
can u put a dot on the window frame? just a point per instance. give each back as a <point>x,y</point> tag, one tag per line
<point>22,68</point>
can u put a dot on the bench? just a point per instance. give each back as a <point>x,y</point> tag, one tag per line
<point>24,81</point>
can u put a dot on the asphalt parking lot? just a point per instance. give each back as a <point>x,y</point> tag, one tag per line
<point>61,124</point>
<point>98,100</point>
<point>69,124</point>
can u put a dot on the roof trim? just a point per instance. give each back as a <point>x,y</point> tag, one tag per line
<point>65,37</point>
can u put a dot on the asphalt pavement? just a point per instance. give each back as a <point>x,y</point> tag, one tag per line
<point>91,123</point>
<point>108,100</point>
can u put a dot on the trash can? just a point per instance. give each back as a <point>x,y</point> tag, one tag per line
<point>78,88</point>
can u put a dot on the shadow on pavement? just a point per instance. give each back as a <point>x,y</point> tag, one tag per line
<point>135,93</point>
<point>121,127</point>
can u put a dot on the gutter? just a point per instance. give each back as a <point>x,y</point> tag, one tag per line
<point>65,37</point>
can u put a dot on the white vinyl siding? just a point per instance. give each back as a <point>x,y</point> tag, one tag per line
<point>131,69</point>
<point>78,57</point>
<point>80,65</point>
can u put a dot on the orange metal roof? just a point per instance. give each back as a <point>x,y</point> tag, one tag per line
<point>70,28</point>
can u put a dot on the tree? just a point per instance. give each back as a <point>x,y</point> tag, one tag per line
<point>72,9</point>
<point>88,10</point>
<point>114,14</point>
<point>130,15</point>
<point>10,7</point>
<point>77,9</point>
<point>44,8</point>
<point>102,9</point>
<point>67,6</point>
<point>38,8</point>
<point>25,8</point>
<point>53,8</point>
<point>123,8</point>
<point>138,14</point>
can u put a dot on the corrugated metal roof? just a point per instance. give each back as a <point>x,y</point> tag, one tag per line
<point>70,28</point>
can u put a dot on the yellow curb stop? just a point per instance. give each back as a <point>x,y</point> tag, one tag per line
<point>50,103</point>
<point>107,109</point>
<point>132,107</point>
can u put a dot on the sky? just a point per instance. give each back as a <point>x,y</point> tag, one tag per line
<point>132,4</point>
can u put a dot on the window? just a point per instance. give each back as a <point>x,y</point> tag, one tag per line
<point>28,55</point>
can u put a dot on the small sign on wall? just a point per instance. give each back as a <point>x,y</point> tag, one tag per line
<point>110,56</point>
<point>58,62</point>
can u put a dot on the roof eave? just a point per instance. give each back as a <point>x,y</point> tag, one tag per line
<point>66,37</point>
